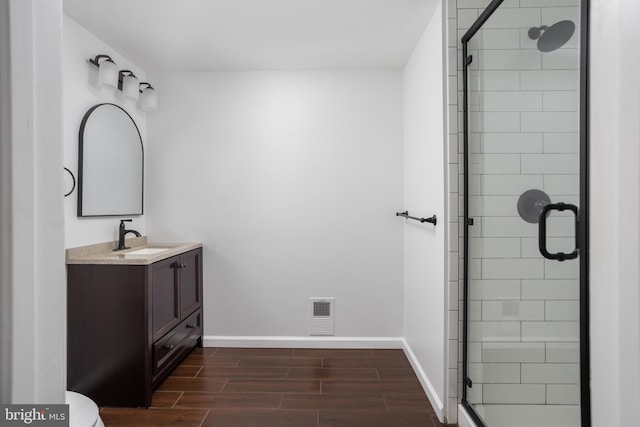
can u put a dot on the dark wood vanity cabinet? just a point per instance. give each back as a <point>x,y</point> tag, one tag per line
<point>176,292</point>
<point>130,325</point>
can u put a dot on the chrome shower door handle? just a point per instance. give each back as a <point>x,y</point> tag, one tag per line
<point>542,231</point>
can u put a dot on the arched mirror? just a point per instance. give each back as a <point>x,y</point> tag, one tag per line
<point>110,163</point>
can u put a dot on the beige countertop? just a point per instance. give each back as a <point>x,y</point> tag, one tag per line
<point>103,253</point>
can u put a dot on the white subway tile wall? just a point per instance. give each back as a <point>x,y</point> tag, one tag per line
<point>495,80</point>
<point>563,394</point>
<point>565,59</point>
<point>523,310</point>
<point>497,290</point>
<point>563,352</point>
<point>455,210</point>
<point>513,352</point>
<point>514,17</point>
<point>549,80</point>
<point>509,185</point>
<point>549,331</point>
<point>513,310</point>
<point>560,101</point>
<point>501,373</point>
<point>511,142</point>
<point>550,289</point>
<point>514,393</point>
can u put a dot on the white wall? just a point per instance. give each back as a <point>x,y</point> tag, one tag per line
<point>81,92</point>
<point>424,194</point>
<point>5,201</point>
<point>615,209</point>
<point>32,205</point>
<point>291,180</point>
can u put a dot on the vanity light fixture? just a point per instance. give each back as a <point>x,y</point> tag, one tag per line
<point>129,84</point>
<point>107,70</point>
<point>124,80</point>
<point>148,97</point>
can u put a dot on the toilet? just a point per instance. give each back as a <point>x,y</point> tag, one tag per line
<point>83,412</point>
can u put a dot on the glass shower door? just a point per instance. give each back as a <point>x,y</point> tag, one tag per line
<point>524,240</point>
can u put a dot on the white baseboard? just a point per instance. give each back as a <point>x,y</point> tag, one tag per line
<point>430,391</point>
<point>302,342</point>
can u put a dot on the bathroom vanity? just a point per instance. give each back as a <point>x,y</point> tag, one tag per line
<point>133,315</point>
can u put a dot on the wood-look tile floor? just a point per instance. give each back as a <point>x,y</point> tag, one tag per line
<point>243,387</point>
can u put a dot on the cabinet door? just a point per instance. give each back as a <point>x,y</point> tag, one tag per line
<point>165,296</point>
<point>190,282</point>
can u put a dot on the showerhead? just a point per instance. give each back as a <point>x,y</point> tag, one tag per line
<point>553,37</point>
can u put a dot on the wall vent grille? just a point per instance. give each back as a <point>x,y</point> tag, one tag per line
<point>322,316</point>
<point>321,308</point>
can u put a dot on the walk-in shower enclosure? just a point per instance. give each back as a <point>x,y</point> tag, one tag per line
<point>525,200</point>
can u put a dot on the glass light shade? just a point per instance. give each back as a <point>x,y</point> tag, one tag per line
<point>131,87</point>
<point>108,74</point>
<point>149,99</point>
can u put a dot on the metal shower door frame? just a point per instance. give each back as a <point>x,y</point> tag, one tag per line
<point>582,227</point>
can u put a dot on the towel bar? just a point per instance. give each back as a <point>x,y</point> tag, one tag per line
<point>433,220</point>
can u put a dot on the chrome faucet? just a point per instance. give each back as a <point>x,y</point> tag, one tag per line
<point>122,232</point>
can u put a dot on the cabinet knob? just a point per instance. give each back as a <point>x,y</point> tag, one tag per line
<point>169,347</point>
<point>183,265</point>
<point>190,326</point>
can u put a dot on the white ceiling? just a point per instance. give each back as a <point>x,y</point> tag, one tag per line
<point>204,35</point>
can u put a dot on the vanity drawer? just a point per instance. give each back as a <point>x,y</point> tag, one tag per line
<point>175,341</point>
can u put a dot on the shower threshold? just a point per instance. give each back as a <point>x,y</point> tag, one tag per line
<point>529,415</point>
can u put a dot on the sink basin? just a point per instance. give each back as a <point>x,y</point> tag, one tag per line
<point>147,251</point>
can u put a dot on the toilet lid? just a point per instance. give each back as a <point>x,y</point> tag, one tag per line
<point>83,411</point>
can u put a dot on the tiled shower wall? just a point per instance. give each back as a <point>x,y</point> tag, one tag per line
<point>528,110</point>
<point>454,350</point>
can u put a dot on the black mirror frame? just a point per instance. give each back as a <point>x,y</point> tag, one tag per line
<point>85,118</point>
